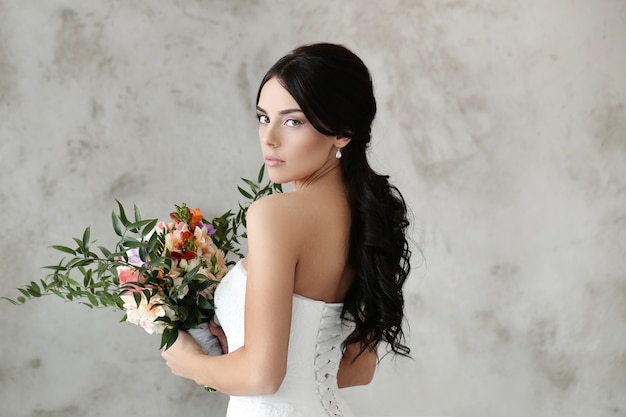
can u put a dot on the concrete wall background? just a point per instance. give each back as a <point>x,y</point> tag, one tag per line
<point>502,122</point>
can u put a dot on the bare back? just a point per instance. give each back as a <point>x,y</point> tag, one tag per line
<point>322,272</point>
<point>322,217</point>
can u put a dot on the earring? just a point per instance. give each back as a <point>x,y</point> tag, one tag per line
<point>338,154</point>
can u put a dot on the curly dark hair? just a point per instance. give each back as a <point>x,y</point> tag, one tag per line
<point>334,90</point>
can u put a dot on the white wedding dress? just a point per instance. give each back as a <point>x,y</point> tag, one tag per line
<point>317,331</point>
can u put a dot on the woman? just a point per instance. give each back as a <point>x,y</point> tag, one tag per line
<point>321,285</point>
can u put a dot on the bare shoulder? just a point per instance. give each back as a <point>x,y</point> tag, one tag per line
<point>276,221</point>
<point>283,208</point>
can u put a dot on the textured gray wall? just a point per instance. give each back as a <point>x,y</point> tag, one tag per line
<point>503,122</point>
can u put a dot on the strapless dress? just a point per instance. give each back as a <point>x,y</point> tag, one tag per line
<point>317,331</point>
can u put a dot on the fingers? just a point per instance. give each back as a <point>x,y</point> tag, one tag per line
<point>217,331</point>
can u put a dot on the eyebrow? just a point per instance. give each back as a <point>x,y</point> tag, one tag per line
<point>282,112</point>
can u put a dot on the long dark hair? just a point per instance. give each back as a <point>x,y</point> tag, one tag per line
<point>334,90</point>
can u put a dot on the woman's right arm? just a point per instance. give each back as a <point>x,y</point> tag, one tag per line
<point>259,365</point>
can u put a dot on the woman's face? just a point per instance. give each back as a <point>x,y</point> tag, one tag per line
<point>293,149</point>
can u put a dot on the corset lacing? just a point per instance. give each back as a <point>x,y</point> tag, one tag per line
<point>328,354</point>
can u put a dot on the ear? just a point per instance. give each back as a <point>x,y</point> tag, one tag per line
<point>341,142</point>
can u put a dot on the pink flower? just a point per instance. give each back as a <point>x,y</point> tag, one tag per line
<point>203,242</point>
<point>179,242</point>
<point>161,226</point>
<point>129,275</point>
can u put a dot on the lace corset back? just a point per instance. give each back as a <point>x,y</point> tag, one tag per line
<point>317,331</point>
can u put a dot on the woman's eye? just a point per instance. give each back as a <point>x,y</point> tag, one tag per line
<point>262,118</point>
<point>292,122</point>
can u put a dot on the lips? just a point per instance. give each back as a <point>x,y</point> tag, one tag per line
<point>272,161</point>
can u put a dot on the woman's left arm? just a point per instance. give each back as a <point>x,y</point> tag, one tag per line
<point>355,368</point>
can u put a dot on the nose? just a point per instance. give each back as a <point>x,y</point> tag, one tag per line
<point>268,135</point>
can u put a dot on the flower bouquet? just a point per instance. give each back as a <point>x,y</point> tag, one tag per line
<point>163,274</point>
<point>167,282</point>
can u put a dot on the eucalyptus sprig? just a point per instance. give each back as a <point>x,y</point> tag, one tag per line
<point>231,227</point>
<point>97,282</point>
<point>90,275</point>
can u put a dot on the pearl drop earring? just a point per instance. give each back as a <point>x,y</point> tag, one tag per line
<point>338,154</point>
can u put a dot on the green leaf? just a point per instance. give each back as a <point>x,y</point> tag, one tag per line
<point>245,193</point>
<point>149,226</point>
<point>137,296</point>
<point>193,271</point>
<point>9,300</point>
<point>168,338</point>
<point>81,248</point>
<point>148,294</point>
<point>55,267</point>
<point>92,300</point>
<point>156,262</point>
<point>34,289</point>
<point>137,215</point>
<point>254,187</point>
<point>64,249</point>
<point>122,214</point>
<point>57,292</point>
<point>261,174</point>
<point>204,303</point>
<point>105,251</point>
<point>78,262</point>
<point>72,282</point>
<point>114,256</point>
<point>86,236</point>
<point>132,243</point>
<point>152,242</point>
<point>117,226</point>
<point>87,280</point>
<point>139,224</point>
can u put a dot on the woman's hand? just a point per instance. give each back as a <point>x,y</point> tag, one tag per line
<point>182,356</point>
<point>217,331</point>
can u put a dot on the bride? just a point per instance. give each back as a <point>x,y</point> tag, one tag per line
<point>321,285</point>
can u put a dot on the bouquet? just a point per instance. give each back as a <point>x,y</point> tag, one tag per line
<point>167,282</point>
<point>162,274</point>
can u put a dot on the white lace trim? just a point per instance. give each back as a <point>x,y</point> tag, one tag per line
<point>328,354</point>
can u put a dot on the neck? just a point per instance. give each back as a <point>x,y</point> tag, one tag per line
<point>327,174</point>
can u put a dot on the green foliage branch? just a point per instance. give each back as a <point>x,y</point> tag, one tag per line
<point>89,274</point>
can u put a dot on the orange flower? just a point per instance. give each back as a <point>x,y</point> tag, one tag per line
<point>195,219</point>
<point>184,248</point>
